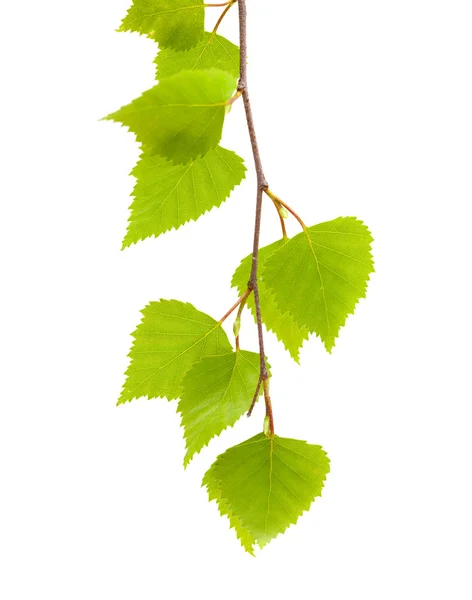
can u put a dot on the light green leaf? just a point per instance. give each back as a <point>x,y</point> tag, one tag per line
<point>171,337</point>
<point>319,275</point>
<point>213,51</point>
<point>267,483</point>
<point>214,493</point>
<point>182,117</point>
<point>175,24</point>
<point>167,195</point>
<point>283,325</point>
<point>217,391</point>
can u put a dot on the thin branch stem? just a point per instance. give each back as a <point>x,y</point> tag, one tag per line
<point>256,396</point>
<point>261,187</point>
<point>276,199</point>
<point>240,310</point>
<point>235,306</point>
<point>223,14</point>
<point>282,220</point>
<point>218,5</point>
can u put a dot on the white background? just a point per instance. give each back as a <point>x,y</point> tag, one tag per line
<point>362,108</point>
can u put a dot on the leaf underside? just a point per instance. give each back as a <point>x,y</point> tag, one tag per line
<point>217,391</point>
<point>182,117</point>
<point>267,483</point>
<point>171,337</point>
<point>319,275</point>
<point>177,24</point>
<point>213,51</point>
<point>166,196</point>
<point>283,325</point>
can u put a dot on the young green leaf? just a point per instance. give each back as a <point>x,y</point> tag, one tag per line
<point>213,51</point>
<point>214,493</point>
<point>268,482</point>
<point>171,337</point>
<point>283,325</point>
<point>319,275</point>
<point>182,117</point>
<point>217,391</point>
<point>167,195</point>
<point>175,24</point>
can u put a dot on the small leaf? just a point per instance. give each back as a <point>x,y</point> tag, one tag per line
<point>167,195</point>
<point>283,325</point>
<point>171,337</point>
<point>182,117</point>
<point>268,483</point>
<point>213,51</point>
<point>177,24</point>
<point>319,275</point>
<point>217,391</point>
<point>214,493</point>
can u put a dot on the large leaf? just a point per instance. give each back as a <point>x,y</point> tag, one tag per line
<point>214,493</point>
<point>212,51</point>
<point>217,391</point>
<point>167,195</point>
<point>267,483</point>
<point>175,24</point>
<point>319,275</point>
<point>283,325</point>
<point>182,117</point>
<point>171,337</point>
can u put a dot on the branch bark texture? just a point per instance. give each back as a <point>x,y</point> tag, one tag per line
<point>261,187</point>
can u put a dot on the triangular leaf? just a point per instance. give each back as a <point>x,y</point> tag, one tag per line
<point>284,326</point>
<point>171,337</point>
<point>167,195</point>
<point>175,24</point>
<point>319,275</point>
<point>217,391</point>
<point>182,117</point>
<point>268,483</point>
<point>213,51</point>
<point>214,493</point>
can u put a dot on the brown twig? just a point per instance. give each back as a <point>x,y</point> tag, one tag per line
<point>261,187</point>
<point>256,396</point>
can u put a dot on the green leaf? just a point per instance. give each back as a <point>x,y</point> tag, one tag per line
<point>167,195</point>
<point>319,275</point>
<point>175,24</point>
<point>171,337</point>
<point>214,493</point>
<point>283,325</point>
<point>217,391</point>
<point>213,51</point>
<point>182,117</point>
<point>267,483</point>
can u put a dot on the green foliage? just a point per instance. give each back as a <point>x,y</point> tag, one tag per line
<point>213,51</point>
<point>319,275</point>
<point>167,195</point>
<point>307,284</point>
<point>268,483</point>
<point>217,391</point>
<point>283,325</point>
<point>214,493</point>
<point>175,24</point>
<point>171,337</point>
<point>182,117</point>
